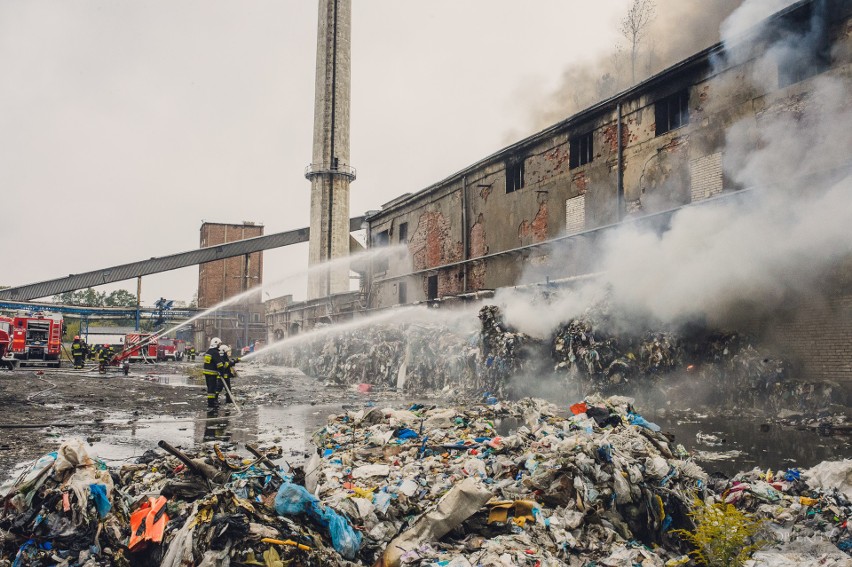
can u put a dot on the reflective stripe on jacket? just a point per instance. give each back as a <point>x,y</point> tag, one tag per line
<point>213,364</point>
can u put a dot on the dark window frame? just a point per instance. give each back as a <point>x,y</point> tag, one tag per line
<point>803,67</point>
<point>432,287</point>
<point>671,112</point>
<point>402,293</point>
<point>806,26</point>
<point>403,233</point>
<point>514,176</point>
<point>581,150</point>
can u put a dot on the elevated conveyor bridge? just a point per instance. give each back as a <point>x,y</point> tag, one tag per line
<point>156,265</point>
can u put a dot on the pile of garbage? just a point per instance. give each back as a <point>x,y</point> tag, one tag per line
<point>504,352</point>
<point>588,353</point>
<point>172,510</point>
<point>407,357</point>
<point>805,515</point>
<point>502,483</point>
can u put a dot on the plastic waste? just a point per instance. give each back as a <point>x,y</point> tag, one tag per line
<point>294,500</point>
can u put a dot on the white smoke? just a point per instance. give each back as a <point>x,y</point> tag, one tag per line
<point>677,30</point>
<point>757,250</point>
<point>748,15</point>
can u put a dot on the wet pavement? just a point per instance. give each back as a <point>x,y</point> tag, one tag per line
<point>122,417</point>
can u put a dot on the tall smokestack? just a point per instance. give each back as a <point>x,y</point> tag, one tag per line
<point>330,173</point>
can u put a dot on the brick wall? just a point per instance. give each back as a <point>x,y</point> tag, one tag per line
<point>819,338</point>
<point>224,279</point>
<point>575,214</point>
<point>706,176</point>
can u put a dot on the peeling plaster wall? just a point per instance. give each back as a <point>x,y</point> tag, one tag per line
<point>657,173</point>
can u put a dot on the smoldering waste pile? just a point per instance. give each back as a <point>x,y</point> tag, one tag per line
<point>510,483</point>
<point>586,353</point>
<point>412,357</point>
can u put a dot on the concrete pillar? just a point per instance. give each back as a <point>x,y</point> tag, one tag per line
<point>330,173</point>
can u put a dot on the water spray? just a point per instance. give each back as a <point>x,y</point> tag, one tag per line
<point>344,261</point>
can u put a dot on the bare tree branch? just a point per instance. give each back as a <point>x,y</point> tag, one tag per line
<point>633,28</point>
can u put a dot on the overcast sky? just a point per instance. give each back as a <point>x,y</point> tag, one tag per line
<point>125,124</point>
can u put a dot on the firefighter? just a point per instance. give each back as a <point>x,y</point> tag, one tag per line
<point>228,371</point>
<point>212,370</point>
<point>77,352</point>
<point>104,356</point>
<point>190,353</point>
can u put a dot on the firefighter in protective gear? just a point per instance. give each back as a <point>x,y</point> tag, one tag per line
<point>228,371</point>
<point>190,353</point>
<point>212,370</point>
<point>104,357</point>
<point>78,352</point>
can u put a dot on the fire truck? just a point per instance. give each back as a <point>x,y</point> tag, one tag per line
<point>171,349</point>
<point>147,352</point>
<point>5,339</point>
<point>36,339</point>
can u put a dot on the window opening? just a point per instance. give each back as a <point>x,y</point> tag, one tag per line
<point>672,112</point>
<point>432,288</point>
<point>581,150</point>
<point>514,176</point>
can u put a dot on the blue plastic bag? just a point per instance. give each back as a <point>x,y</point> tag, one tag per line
<point>99,495</point>
<point>405,433</point>
<point>636,419</point>
<point>294,500</point>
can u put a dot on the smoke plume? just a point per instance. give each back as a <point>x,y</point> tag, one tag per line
<point>759,250</point>
<point>678,30</point>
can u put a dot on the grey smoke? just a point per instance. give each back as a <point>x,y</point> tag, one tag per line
<point>757,252</point>
<point>679,29</point>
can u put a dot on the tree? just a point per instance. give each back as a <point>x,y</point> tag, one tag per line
<point>634,26</point>
<point>120,298</point>
<point>91,298</point>
<point>88,297</point>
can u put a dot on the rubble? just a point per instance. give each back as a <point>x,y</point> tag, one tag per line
<point>496,483</point>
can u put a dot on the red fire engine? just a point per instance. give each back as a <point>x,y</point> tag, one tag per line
<point>171,349</point>
<point>146,352</point>
<point>5,338</point>
<point>36,338</point>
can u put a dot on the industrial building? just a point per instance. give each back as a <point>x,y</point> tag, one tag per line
<point>655,147</point>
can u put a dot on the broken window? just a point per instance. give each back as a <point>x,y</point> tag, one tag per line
<point>514,176</point>
<point>804,66</point>
<point>812,54</point>
<point>403,233</point>
<point>381,238</point>
<point>581,150</point>
<point>672,112</point>
<point>380,264</point>
<point>432,287</point>
<point>402,288</point>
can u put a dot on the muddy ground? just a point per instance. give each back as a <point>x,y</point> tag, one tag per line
<point>123,416</point>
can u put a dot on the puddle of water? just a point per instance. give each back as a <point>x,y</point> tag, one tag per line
<point>761,444</point>
<point>290,427</point>
<point>172,380</point>
<point>731,446</point>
